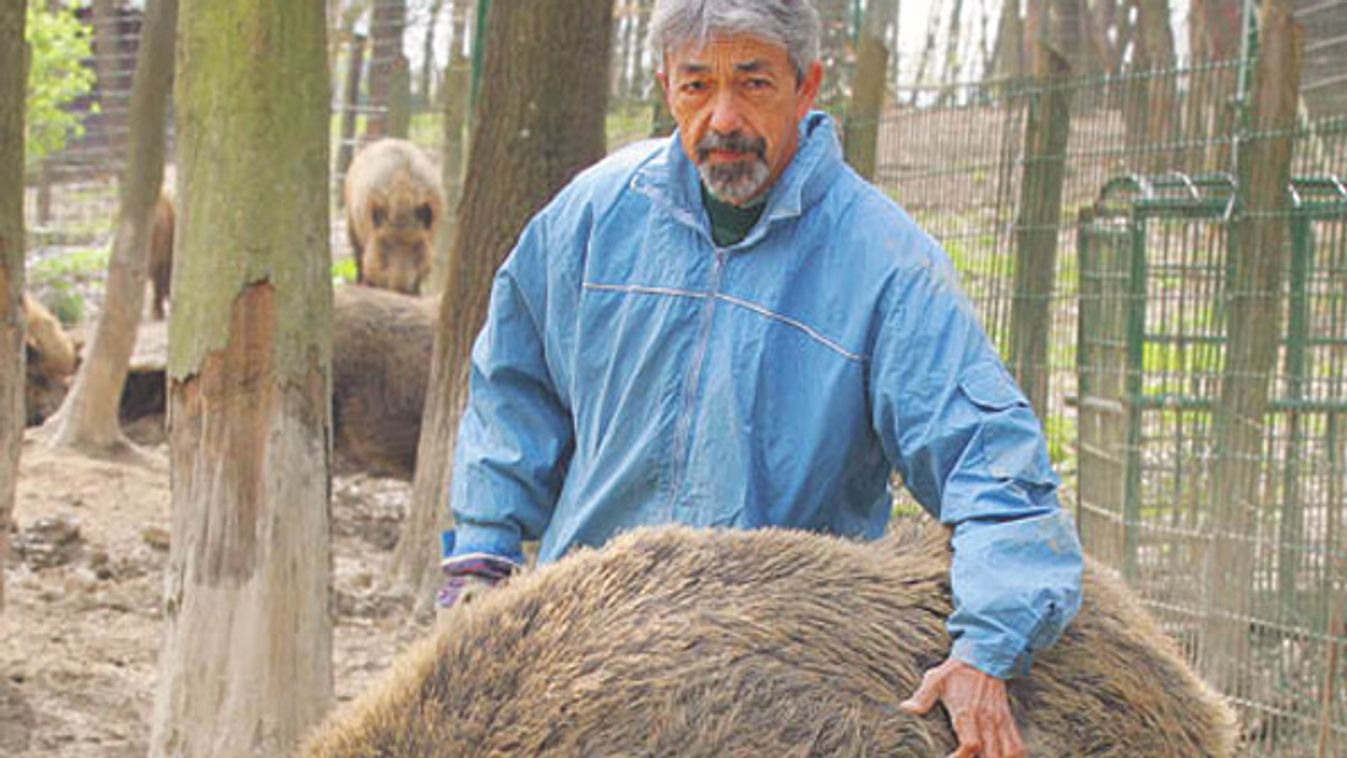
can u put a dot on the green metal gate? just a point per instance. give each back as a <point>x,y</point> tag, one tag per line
<point>1154,278</point>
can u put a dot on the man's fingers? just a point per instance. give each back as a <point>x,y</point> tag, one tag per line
<point>991,740</point>
<point>1012,746</point>
<point>970,736</point>
<point>926,695</point>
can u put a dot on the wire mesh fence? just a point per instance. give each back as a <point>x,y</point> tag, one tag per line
<point>1137,339</point>
<point>1094,221</point>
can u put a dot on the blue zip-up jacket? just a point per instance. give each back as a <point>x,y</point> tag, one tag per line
<point>631,373</point>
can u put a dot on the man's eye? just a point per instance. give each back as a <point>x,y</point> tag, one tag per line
<point>757,82</point>
<point>693,87</point>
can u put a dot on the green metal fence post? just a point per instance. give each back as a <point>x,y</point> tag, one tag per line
<point>1136,358</point>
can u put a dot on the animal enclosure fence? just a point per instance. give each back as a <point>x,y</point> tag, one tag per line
<point>1137,225</point>
<point>1154,275</point>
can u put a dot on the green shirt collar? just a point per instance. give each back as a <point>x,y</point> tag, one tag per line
<point>731,223</point>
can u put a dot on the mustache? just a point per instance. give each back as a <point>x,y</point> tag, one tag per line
<point>737,142</point>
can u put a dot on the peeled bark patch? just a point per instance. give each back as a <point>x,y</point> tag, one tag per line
<point>227,410</point>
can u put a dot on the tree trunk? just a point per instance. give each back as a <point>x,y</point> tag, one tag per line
<point>953,67</point>
<point>927,49</point>
<point>1254,317</point>
<point>1008,57</point>
<point>457,91</point>
<point>427,83</point>
<point>386,60</point>
<point>1214,36</point>
<point>350,103</point>
<point>88,420</point>
<point>1157,36</point>
<point>861,129</point>
<point>246,665</point>
<point>540,119</point>
<point>13,76</point>
<point>1045,138</point>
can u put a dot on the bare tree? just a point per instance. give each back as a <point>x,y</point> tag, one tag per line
<point>953,63</point>
<point>1157,46</point>
<point>88,419</point>
<point>539,120</point>
<point>246,666</point>
<point>1006,60</point>
<point>1254,311</point>
<point>13,75</point>
<point>861,128</point>
<point>389,77</point>
<point>1051,26</point>
<point>457,91</point>
<point>428,52</point>
<point>928,47</point>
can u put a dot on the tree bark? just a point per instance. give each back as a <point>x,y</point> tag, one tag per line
<point>13,79</point>
<point>350,102</point>
<point>387,64</point>
<point>427,83</point>
<point>1214,29</point>
<point>861,129</point>
<point>88,420</point>
<point>457,91</point>
<point>1008,57</point>
<point>1157,36</point>
<point>539,120</point>
<point>1254,311</point>
<point>246,665</point>
<point>1045,139</point>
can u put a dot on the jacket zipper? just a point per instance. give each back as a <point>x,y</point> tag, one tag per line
<point>683,431</point>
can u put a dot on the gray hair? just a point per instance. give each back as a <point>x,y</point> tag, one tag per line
<point>792,24</point>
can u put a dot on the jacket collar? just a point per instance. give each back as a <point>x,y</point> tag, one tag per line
<point>671,180</point>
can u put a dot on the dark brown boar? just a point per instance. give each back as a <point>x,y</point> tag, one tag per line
<point>52,357</point>
<point>393,209</point>
<point>730,643</point>
<point>381,351</point>
<point>161,253</point>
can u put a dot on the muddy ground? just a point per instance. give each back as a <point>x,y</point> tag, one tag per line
<point>82,626</point>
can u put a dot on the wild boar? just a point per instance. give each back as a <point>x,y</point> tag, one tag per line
<point>161,253</point>
<point>52,357</point>
<point>773,642</point>
<point>393,207</point>
<point>381,351</point>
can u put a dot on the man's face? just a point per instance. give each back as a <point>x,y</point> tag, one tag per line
<point>738,104</point>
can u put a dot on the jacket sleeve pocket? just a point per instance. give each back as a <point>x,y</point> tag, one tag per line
<point>1011,437</point>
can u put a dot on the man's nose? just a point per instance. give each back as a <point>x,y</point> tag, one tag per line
<point>725,115</point>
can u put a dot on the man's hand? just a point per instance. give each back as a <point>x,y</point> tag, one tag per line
<point>470,575</point>
<point>977,706</point>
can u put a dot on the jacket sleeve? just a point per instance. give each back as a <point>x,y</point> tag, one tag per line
<point>971,451</point>
<point>515,436</point>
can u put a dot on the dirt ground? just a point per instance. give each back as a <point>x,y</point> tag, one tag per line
<point>81,629</point>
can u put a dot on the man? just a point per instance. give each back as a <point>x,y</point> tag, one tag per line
<point>730,328</point>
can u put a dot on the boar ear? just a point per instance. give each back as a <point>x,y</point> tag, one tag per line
<point>380,215</point>
<point>425,214</point>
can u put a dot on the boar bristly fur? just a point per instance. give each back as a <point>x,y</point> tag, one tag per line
<point>676,642</point>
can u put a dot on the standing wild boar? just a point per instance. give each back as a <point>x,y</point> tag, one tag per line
<point>712,643</point>
<point>161,253</point>
<point>52,358</point>
<point>393,209</point>
<point>381,351</point>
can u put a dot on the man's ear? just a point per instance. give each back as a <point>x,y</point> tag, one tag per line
<point>809,87</point>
